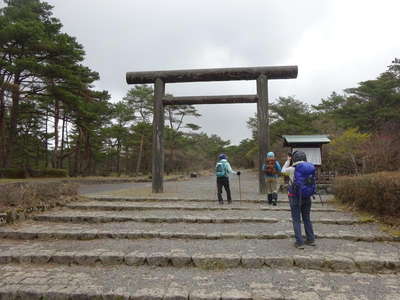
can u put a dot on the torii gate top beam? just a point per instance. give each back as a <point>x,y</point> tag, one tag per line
<point>219,74</point>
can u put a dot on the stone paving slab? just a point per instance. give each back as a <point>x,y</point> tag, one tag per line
<point>93,218</point>
<point>199,214</point>
<point>133,230</point>
<point>127,282</point>
<point>362,262</point>
<point>328,255</point>
<point>178,216</point>
<point>114,205</point>
<point>91,234</point>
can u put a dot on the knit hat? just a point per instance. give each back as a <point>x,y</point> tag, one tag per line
<point>222,156</point>
<point>299,156</point>
<point>270,154</point>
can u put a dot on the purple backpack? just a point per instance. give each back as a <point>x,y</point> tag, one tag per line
<point>304,181</point>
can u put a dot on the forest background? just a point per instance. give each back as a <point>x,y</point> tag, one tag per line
<point>54,123</point>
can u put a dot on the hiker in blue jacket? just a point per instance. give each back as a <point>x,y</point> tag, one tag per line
<point>272,170</point>
<point>301,188</point>
<point>222,171</point>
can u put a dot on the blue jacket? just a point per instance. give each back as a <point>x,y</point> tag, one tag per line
<point>277,167</point>
<point>228,167</point>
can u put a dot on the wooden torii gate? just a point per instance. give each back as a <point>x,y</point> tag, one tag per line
<point>160,78</point>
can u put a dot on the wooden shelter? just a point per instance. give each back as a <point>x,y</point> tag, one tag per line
<point>310,144</point>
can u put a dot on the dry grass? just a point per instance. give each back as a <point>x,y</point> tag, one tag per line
<point>391,229</point>
<point>390,225</point>
<point>22,195</point>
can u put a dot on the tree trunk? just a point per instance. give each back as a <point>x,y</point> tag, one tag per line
<point>3,157</point>
<point>118,157</point>
<point>139,160</point>
<point>353,159</point>
<point>12,139</point>
<point>61,157</point>
<point>88,152</point>
<point>56,120</point>
<point>77,154</point>
<point>47,141</point>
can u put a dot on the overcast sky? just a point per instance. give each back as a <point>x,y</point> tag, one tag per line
<point>335,43</point>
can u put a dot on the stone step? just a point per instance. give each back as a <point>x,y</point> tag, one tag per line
<point>45,230</point>
<point>329,255</point>
<point>114,205</point>
<point>262,199</point>
<point>124,282</point>
<point>206,214</point>
<point>75,216</point>
<point>134,235</point>
<point>88,232</point>
<point>346,262</point>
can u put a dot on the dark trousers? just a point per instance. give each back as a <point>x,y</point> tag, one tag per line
<point>223,182</point>
<point>301,210</point>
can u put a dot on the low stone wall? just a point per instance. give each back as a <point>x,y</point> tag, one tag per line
<point>19,200</point>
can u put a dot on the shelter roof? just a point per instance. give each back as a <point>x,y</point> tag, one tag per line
<point>305,139</point>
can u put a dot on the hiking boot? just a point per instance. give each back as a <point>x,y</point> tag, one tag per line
<point>298,246</point>
<point>269,199</point>
<point>229,201</point>
<point>310,243</point>
<point>220,202</point>
<point>274,199</point>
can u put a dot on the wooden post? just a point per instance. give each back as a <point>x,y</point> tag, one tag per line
<point>263,128</point>
<point>158,137</point>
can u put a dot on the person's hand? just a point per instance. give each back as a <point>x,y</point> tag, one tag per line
<point>238,173</point>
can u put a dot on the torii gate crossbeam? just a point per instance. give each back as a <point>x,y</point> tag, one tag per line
<point>160,78</point>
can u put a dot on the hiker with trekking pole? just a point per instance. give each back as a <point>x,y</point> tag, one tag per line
<point>302,186</point>
<point>222,171</point>
<point>272,170</point>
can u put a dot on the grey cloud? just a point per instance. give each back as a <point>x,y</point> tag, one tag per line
<point>325,38</point>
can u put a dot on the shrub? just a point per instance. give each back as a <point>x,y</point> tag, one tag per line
<point>53,173</point>
<point>377,193</point>
<point>13,173</point>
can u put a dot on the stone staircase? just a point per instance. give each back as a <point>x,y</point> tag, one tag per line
<point>192,248</point>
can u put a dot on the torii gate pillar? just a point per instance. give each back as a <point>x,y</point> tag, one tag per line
<point>263,127</point>
<point>158,137</point>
